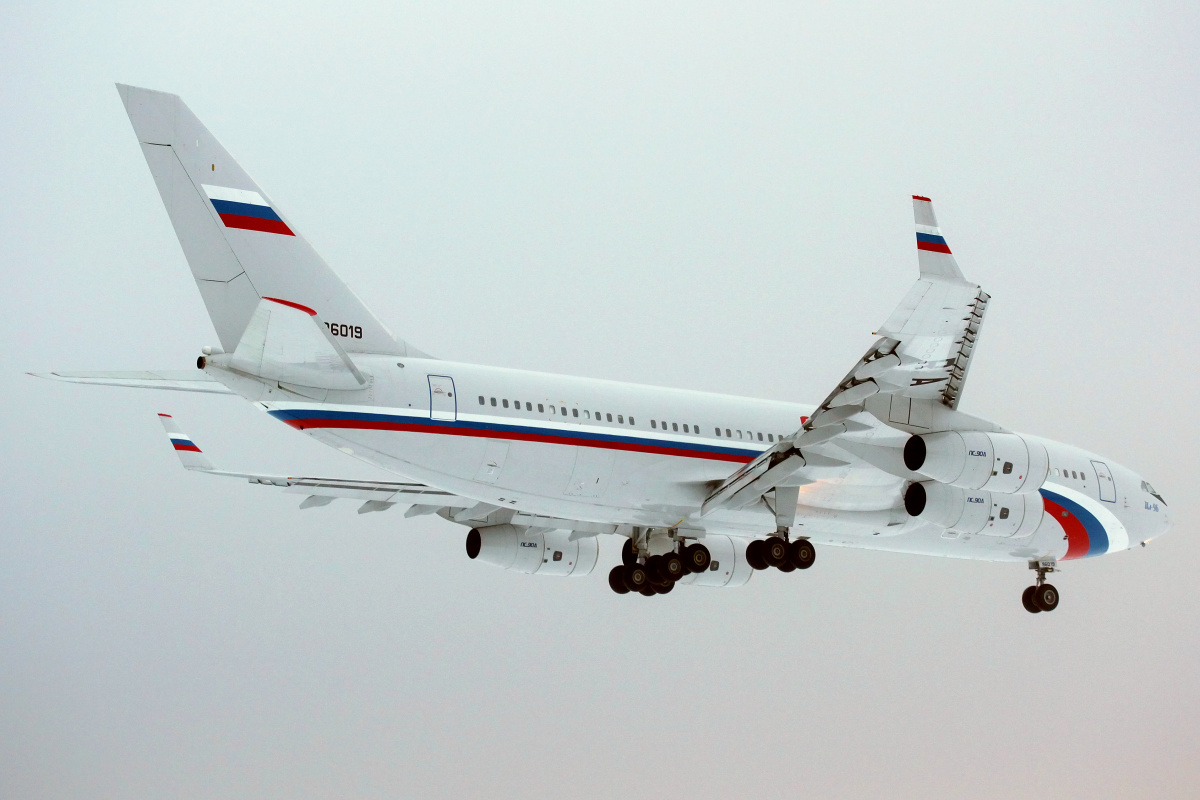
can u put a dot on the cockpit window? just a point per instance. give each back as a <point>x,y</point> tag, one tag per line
<point>1148,489</point>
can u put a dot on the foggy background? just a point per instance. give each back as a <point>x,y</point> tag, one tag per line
<point>712,197</point>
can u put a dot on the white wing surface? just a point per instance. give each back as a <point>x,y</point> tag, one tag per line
<point>909,378</point>
<point>173,380</point>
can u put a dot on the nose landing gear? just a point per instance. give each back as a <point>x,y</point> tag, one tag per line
<point>1042,596</point>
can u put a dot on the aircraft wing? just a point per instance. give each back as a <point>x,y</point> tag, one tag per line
<point>376,495</point>
<point>919,363</point>
<point>192,380</point>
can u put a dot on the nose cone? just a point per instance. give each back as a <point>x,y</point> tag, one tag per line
<point>1156,511</point>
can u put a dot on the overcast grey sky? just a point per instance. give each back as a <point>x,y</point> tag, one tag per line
<point>703,196</point>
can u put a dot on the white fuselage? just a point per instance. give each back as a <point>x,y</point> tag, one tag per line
<point>624,454</point>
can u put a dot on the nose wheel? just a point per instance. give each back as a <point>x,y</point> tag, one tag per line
<point>1041,596</point>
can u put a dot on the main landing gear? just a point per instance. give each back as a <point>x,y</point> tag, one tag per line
<point>776,551</point>
<point>656,574</point>
<point>1042,596</point>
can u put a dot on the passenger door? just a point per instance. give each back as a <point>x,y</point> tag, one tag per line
<point>442,403</point>
<point>1104,480</point>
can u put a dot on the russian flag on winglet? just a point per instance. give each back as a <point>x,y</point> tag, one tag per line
<point>181,443</point>
<point>242,208</point>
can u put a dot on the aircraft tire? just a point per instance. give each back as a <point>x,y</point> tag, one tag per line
<point>616,580</point>
<point>636,578</point>
<point>754,554</point>
<point>673,567</point>
<point>696,557</point>
<point>654,567</point>
<point>775,550</point>
<point>627,555</point>
<point>802,554</point>
<point>665,588</point>
<point>648,590</point>
<point>786,566</point>
<point>1027,600</point>
<point>1045,597</point>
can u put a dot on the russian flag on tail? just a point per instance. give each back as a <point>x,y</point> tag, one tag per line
<point>242,208</point>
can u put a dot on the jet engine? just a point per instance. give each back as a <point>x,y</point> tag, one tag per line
<point>550,553</point>
<point>728,567</point>
<point>975,511</point>
<point>997,462</point>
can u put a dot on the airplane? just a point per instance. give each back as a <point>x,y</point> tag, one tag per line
<point>705,489</point>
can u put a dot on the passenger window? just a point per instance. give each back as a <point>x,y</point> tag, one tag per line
<point>620,419</point>
<point>739,433</point>
<point>760,437</point>
<point>770,437</point>
<point>480,399</point>
<point>718,431</point>
<point>574,412</point>
<point>1004,513</point>
<point>1007,468</point>
<point>541,409</point>
<point>493,402</point>
<point>727,433</point>
<point>1073,475</point>
<point>631,420</point>
<point>685,428</point>
<point>505,402</point>
<point>608,417</point>
<point>663,425</point>
<point>653,423</point>
<point>529,406</point>
<point>564,410</point>
<point>587,414</point>
<point>675,426</point>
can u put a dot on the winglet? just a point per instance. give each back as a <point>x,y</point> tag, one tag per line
<point>189,454</point>
<point>933,254</point>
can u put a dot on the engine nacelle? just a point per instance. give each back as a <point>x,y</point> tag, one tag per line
<point>998,462</point>
<point>975,511</point>
<point>728,567</point>
<point>550,553</point>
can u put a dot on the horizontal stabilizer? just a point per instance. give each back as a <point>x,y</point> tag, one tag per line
<point>172,380</point>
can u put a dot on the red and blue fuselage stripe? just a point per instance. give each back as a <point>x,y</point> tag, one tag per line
<point>250,217</point>
<point>1086,535</point>
<point>302,420</point>
<point>932,243</point>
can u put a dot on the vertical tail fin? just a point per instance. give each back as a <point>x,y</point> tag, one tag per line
<point>237,242</point>
<point>933,254</point>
